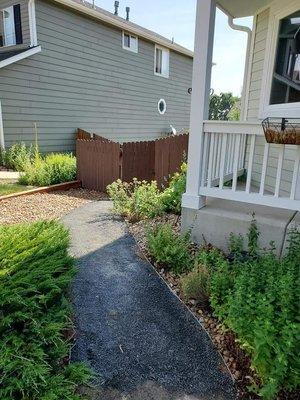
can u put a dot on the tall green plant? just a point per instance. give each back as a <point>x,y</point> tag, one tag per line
<point>17,157</point>
<point>49,170</point>
<point>136,200</point>
<point>172,195</point>
<point>170,249</point>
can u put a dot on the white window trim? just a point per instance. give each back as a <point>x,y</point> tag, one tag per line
<point>166,50</point>
<point>2,16</point>
<point>165,104</point>
<point>290,110</point>
<point>132,49</point>
<point>32,23</point>
<point>21,56</point>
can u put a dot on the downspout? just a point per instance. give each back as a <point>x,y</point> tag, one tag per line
<point>248,31</point>
<point>2,146</point>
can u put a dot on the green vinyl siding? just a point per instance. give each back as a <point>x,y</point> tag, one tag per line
<point>84,78</point>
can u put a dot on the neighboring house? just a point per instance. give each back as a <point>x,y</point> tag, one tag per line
<point>222,151</point>
<point>65,64</point>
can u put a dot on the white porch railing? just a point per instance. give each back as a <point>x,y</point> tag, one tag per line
<point>223,160</point>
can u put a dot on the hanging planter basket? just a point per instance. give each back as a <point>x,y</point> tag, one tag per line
<point>281,131</point>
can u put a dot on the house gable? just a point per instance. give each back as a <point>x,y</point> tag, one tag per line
<point>83,77</point>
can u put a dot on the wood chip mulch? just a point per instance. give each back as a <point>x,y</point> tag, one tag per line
<point>237,361</point>
<point>45,206</point>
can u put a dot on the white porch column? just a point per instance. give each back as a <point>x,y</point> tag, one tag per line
<point>204,38</point>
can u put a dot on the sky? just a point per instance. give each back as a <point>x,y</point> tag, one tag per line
<point>176,18</point>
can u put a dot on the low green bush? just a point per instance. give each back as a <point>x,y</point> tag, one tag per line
<point>196,284</point>
<point>170,249</point>
<point>257,295</point>
<point>49,170</point>
<point>141,200</point>
<point>136,200</point>
<point>172,195</point>
<point>17,156</point>
<point>35,314</point>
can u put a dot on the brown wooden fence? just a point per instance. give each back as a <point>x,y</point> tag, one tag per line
<point>101,161</point>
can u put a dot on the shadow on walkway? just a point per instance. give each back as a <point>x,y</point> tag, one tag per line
<point>132,330</point>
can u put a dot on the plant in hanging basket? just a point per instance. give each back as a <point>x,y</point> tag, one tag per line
<point>282,132</point>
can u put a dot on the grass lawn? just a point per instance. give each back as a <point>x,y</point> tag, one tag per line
<point>9,188</point>
<point>35,323</point>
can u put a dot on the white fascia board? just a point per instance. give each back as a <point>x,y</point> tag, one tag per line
<point>21,56</point>
<point>124,25</point>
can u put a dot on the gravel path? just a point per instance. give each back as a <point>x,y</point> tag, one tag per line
<point>132,330</point>
<point>44,206</point>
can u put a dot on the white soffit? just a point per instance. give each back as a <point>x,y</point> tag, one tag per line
<point>242,8</point>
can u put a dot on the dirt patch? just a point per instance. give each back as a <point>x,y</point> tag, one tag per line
<point>45,206</point>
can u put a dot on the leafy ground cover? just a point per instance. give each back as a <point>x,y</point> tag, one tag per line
<point>35,324</point>
<point>9,188</point>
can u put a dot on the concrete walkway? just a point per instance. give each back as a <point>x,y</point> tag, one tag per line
<point>131,329</point>
<point>9,176</point>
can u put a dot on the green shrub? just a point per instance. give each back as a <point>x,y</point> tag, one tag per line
<point>140,199</point>
<point>170,249</point>
<point>35,274</point>
<point>2,157</point>
<point>197,284</point>
<point>172,195</point>
<point>136,200</point>
<point>258,298</point>
<point>17,156</point>
<point>50,170</point>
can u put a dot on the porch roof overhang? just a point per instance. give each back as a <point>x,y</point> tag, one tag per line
<point>242,8</point>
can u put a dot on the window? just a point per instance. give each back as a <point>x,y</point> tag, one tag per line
<point>286,76</point>
<point>12,29</point>
<point>161,62</point>
<point>162,106</point>
<point>130,42</point>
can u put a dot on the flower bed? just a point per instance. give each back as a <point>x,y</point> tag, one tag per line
<point>247,299</point>
<point>232,347</point>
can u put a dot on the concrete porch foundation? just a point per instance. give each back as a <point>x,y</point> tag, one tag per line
<point>214,223</point>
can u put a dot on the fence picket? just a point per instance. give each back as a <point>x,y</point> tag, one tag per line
<point>101,161</point>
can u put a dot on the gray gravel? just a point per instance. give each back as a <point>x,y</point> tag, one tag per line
<point>132,330</point>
